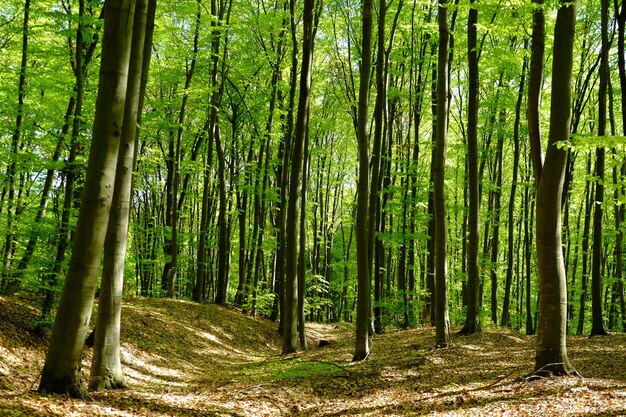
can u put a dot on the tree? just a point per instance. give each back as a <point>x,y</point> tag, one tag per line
<point>362,233</point>
<point>472,319</point>
<point>551,358</point>
<point>620,17</point>
<point>61,372</point>
<point>597,322</point>
<point>106,367</point>
<point>506,315</point>
<point>220,18</point>
<point>290,329</point>
<point>442,320</point>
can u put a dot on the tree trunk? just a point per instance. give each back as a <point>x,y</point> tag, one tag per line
<point>506,318</point>
<point>551,358</point>
<point>620,17</point>
<point>362,232</point>
<point>495,235</point>
<point>61,372</point>
<point>589,191</point>
<point>302,246</point>
<point>442,320</point>
<point>106,366</point>
<point>290,329</point>
<point>597,322</point>
<point>528,219</point>
<point>472,319</point>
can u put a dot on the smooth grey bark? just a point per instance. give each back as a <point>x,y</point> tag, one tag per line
<point>495,234</point>
<point>584,281</point>
<point>380,130</point>
<point>106,365</point>
<point>302,248</point>
<point>61,372</point>
<point>551,357</point>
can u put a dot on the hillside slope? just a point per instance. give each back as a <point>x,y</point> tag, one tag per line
<point>187,359</point>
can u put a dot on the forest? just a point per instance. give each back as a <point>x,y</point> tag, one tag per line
<point>454,167</point>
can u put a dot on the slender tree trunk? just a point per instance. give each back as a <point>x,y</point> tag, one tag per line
<point>218,68</point>
<point>589,190</point>
<point>535,81</point>
<point>61,372</point>
<point>290,329</point>
<point>442,320</point>
<point>495,235</point>
<point>472,319</point>
<point>597,322</point>
<point>551,358</point>
<point>506,318</point>
<point>362,232</point>
<point>620,17</point>
<point>528,219</point>
<point>302,247</point>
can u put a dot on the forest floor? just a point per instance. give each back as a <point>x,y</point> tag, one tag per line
<point>185,359</point>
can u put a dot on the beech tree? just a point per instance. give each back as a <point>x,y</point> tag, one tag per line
<point>106,368</point>
<point>290,329</point>
<point>472,320</point>
<point>551,358</point>
<point>61,371</point>
<point>597,328</point>
<point>442,319</point>
<point>362,233</point>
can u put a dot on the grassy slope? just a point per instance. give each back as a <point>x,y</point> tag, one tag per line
<point>186,359</point>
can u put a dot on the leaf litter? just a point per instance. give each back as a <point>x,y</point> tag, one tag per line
<point>188,359</point>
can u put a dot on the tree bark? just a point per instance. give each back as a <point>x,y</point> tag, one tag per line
<point>506,302</point>
<point>551,355</point>
<point>290,329</point>
<point>442,320</point>
<point>472,318</point>
<point>362,232</point>
<point>589,191</point>
<point>597,322</point>
<point>106,366</point>
<point>61,372</point>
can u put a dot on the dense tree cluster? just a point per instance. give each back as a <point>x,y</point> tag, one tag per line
<point>393,163</point>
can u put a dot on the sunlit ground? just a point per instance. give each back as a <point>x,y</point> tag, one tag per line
<point>185,359</point>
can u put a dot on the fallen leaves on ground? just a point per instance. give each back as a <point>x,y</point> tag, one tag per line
<point>188,359</point>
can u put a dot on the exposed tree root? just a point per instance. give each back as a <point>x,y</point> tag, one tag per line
<point>552,370</point>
